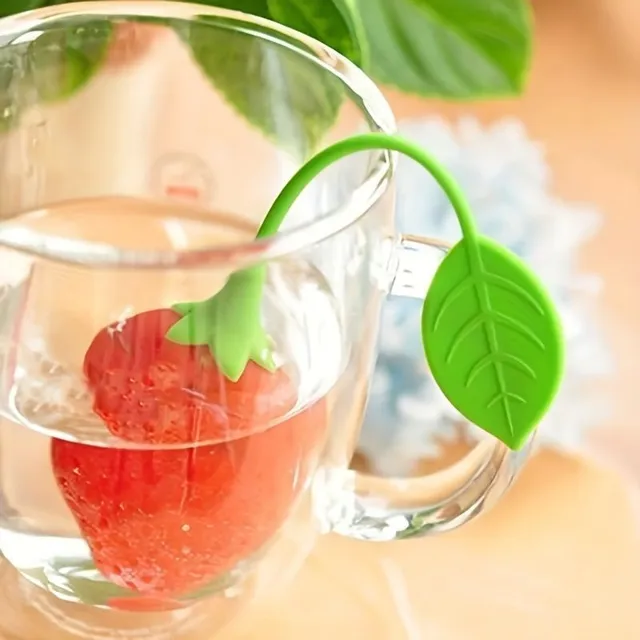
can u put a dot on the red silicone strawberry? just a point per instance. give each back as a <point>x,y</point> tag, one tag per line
<point>151,390</point>
<point>165,522</point>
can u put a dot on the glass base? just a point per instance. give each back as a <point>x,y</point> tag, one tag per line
<point>31,613</point>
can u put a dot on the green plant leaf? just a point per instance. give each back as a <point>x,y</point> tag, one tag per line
<point>449,48</point>
<point>9,7</point>
<point>254,7</point>
<point>275,88</point>
<point>51,67</point>
<point>64,59</point>
<point>332,22</point>
<point>492,339</point>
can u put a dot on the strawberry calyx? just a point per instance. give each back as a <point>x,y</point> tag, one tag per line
<point>229,324</point>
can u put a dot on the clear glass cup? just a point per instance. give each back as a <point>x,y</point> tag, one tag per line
<point>141,143</point>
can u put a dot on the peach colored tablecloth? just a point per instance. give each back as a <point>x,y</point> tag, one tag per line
<point>560,557</point>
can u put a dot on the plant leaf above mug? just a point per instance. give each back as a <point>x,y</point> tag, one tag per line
<point>329,21</point>
<point>51,67</point>
<point>275,88</point>
<point>9,7</point>
<point>64,58</point>
<point>492,339</point>
<point>448,48</point>
<point>332,22</point>
<point>445,48</point>
<point>254,7</point>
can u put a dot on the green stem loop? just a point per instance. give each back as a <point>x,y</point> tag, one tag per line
<point>356,144</point>
<point>490,333</point>
<point>229,322</point>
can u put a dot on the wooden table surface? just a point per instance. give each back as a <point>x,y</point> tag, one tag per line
<point>559,558</point>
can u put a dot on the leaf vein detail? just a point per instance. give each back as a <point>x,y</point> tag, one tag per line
<point>504,396</point>
<point>515,288</point>
<point>504,359</point>
<point>491,318</point>
<point>450,298</point>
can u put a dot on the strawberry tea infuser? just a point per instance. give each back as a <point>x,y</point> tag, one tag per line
<point>490,333</point>
<point>491,337</point>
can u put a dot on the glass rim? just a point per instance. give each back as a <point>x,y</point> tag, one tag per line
<point>367,194</point>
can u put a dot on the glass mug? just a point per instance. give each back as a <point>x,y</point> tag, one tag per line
<point>140,489</point>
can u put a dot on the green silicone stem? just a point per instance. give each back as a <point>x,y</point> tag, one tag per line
<point>356,144</point>
<point>229,322</point>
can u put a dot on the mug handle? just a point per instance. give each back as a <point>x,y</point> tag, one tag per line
<point>367,507</point>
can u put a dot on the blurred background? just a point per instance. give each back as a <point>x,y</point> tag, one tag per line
<point>546,144</point>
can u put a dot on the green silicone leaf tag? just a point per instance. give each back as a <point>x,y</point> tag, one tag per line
<point>492,339</point>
